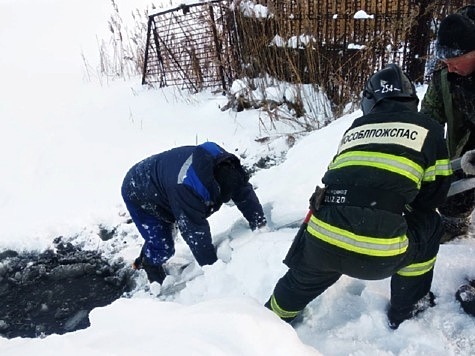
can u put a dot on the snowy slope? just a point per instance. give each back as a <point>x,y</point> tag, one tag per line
<point>67,143</point>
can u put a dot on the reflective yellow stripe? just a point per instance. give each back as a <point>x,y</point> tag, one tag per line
<point>441,168</point>
<point>417,269</point>
<point>367,245</point>
<point>281,312</point>
<point>389,162</point>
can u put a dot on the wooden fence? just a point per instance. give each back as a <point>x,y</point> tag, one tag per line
<point>333,44</point>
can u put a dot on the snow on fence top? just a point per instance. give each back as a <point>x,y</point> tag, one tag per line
<point>334,44</point>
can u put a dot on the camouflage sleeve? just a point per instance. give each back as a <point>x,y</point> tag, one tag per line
<point>433,101</point>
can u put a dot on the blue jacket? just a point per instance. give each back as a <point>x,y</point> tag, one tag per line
<point>179,186</point>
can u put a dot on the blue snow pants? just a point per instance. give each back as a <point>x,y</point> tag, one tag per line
<point>158,234</point>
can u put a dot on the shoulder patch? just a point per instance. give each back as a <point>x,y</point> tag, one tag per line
<point>184,170</point>
<point>399,133</point>
<point>188,176</point>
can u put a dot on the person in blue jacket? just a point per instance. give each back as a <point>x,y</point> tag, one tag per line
<point>182,187</point>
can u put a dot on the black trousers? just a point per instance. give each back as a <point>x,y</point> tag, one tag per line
<point>314,266</point>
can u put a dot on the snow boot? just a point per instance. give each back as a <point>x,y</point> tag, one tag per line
<point>466,296</point>
<point>397,315</point>
<point>155,273</point>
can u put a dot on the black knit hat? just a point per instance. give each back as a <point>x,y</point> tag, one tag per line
<point>456,35</point>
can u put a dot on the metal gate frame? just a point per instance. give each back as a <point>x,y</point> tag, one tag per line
<point>185,46</point>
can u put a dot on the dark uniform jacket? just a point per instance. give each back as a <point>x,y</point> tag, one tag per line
<point>388,159</point>
<point>179,186</point>
<point>450,99</point>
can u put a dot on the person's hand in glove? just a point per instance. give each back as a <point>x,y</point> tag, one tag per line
<point>155,273</point>
<point>259,224</point>
<point>262,227</point>
<point>468,163</point>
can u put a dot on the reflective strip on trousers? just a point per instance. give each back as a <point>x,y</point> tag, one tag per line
<point>417,269</point>
<point>367,245</point>
<point>282,313</point>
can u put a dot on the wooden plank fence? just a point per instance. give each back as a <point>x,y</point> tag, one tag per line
<point>335,44</point>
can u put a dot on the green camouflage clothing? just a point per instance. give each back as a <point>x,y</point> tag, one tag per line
<point>450,99</point>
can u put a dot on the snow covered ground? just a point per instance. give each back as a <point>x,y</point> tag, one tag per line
<point>65,145</point>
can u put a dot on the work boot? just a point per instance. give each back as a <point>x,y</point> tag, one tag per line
<point>397,315</point>
<point>466,296</point>
<point>294,321</point>
<point>155,273</point>
<point>454,227</point>
<point>298,320</point>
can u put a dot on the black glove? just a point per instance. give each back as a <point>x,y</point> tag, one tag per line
<point>466,296</point>
<point>258,224</point>
<point>262,224</point>
<point>155,273</point>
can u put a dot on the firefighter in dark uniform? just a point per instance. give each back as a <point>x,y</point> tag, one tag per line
<point>376,216</point>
